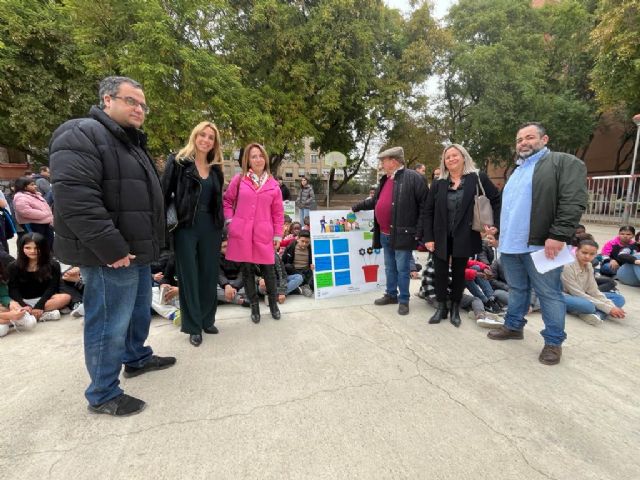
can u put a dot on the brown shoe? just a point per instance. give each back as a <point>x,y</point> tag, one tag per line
<point>386,300</point>
<point>403,309</point>
<point>503,333</point>
<point>550,354</point>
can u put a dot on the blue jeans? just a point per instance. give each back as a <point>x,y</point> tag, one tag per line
<point>629,274</point>
<point>522,276</point>
<point>293,282</point>
<point>480,288</point>
<point>304,212</point>
<point>396,267</point>
<point>578,305</point>
<point>605,269</point>
<point>117,316</point>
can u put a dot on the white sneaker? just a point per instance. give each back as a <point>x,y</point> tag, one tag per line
<point>27,321</point>
<point>489,322</point>
<point>4,329</point>
<point>306,291</point>
<point>78,311</point>
<point>50,315</point>
<point>591,319</point>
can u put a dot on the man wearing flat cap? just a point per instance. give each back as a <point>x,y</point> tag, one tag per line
<point>397,204</point>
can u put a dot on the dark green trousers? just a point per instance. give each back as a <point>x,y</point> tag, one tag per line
<point>197,262</point>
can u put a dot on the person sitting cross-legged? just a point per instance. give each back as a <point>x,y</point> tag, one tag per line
<point>297,258</point>
<point>474,305</point>
<point>581,293</point>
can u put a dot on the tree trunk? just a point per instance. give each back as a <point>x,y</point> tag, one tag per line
<point>356,167</point>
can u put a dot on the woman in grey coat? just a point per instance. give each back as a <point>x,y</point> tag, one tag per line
<point>306,199</point>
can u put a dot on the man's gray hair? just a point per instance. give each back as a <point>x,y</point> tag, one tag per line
<point>111,85</point>
<point>541,130</point>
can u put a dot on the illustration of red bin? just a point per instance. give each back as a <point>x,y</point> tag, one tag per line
<point>370,273</point>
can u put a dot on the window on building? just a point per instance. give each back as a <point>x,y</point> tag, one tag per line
<point>301,172</point>
<point>313,172</point>
<point>314,158</point>
<point>288,173</point>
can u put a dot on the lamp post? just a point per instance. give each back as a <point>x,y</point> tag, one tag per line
<point>627,206</point>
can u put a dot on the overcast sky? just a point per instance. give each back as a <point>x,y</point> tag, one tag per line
<point>440,6</point>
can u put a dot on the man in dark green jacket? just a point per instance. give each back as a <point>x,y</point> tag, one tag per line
<point>541,205</point>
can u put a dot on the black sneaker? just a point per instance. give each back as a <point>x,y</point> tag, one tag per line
<point>154,363</point>
<point>121,406</point>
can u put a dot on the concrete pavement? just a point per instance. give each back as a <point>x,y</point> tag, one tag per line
<point>336,389</point>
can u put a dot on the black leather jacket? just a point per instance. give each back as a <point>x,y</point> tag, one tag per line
<point>181,183</point>
<point>409,197</point>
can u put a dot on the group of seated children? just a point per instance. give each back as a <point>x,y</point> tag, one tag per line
<point>591,297</point>
<point>31,287</point>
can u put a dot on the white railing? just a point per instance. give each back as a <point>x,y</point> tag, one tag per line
<point>607,199</point>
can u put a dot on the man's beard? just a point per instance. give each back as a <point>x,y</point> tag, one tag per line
<point>533,151</point>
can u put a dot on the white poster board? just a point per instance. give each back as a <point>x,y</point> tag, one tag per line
<point>344,259</point>
<point>290,208</point>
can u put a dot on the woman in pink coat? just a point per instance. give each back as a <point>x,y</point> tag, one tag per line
<point>31,209</point>
<point>255,215</point>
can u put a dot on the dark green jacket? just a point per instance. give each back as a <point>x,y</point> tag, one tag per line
<point>559,197</point>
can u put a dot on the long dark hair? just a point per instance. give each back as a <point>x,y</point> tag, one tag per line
<point>21,183</point>
<point>44,255</point>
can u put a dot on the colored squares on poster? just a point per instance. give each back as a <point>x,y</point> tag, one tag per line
<point>343,278</point>
<point>341,262</point>
<point>324,280</point>
<point>340,245</point>
<point>367,235</point>
<point>322,247</point>
<point>323,264</point>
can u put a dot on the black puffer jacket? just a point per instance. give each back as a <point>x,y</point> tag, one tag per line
<point>107,192</point>
<point>181,182</point>
<point>409,197</point>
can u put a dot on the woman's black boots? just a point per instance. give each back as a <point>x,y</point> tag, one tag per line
<point>455,314</point>
<point>255,312</point>
<point>273,307</point>
<point>441,313</point>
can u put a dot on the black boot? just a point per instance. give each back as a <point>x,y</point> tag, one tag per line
<point>441,313</point>
<point>455,314</point>
<point>273,307</point>
<point>255,312</point>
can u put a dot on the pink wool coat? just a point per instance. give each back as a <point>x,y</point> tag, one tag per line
<point>31,208</point>
<point>258,219</point>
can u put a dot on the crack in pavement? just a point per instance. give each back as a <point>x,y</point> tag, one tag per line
<point>419,359</point>
<point>247,413</point>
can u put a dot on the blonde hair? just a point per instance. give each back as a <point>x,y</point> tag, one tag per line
<point>469,165</point>
<point>247,152</point>
<point>188,152</point>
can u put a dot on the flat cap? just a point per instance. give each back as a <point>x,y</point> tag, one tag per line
<point>393,152</point>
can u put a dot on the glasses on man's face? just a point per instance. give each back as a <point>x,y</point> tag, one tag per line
<point>132,102</point>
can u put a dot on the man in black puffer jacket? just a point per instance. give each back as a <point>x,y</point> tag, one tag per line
<point>398,204</point>
<point>109,220</point>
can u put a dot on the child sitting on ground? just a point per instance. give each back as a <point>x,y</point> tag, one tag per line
<point>230,281</point>
<point>297,258</point>
<point>11,315</point>
<point>34,279</point>
<point>476,281</point>
<point>623,243</point>
<point>286,283</point>
<point>474,305</point>
<point>582,295</point>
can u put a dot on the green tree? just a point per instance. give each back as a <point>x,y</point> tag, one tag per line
<point>511,63</point>
<point>42,84</point>
<point>171,47</point>
<point>616,73</point>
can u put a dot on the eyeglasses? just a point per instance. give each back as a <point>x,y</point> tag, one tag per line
<point>132,102</point>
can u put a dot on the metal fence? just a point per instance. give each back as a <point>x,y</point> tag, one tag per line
<point>607,199</point>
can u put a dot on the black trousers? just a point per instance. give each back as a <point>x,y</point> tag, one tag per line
<point>249,276</point>
<point>197,252</point>
<point>441,267</point>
